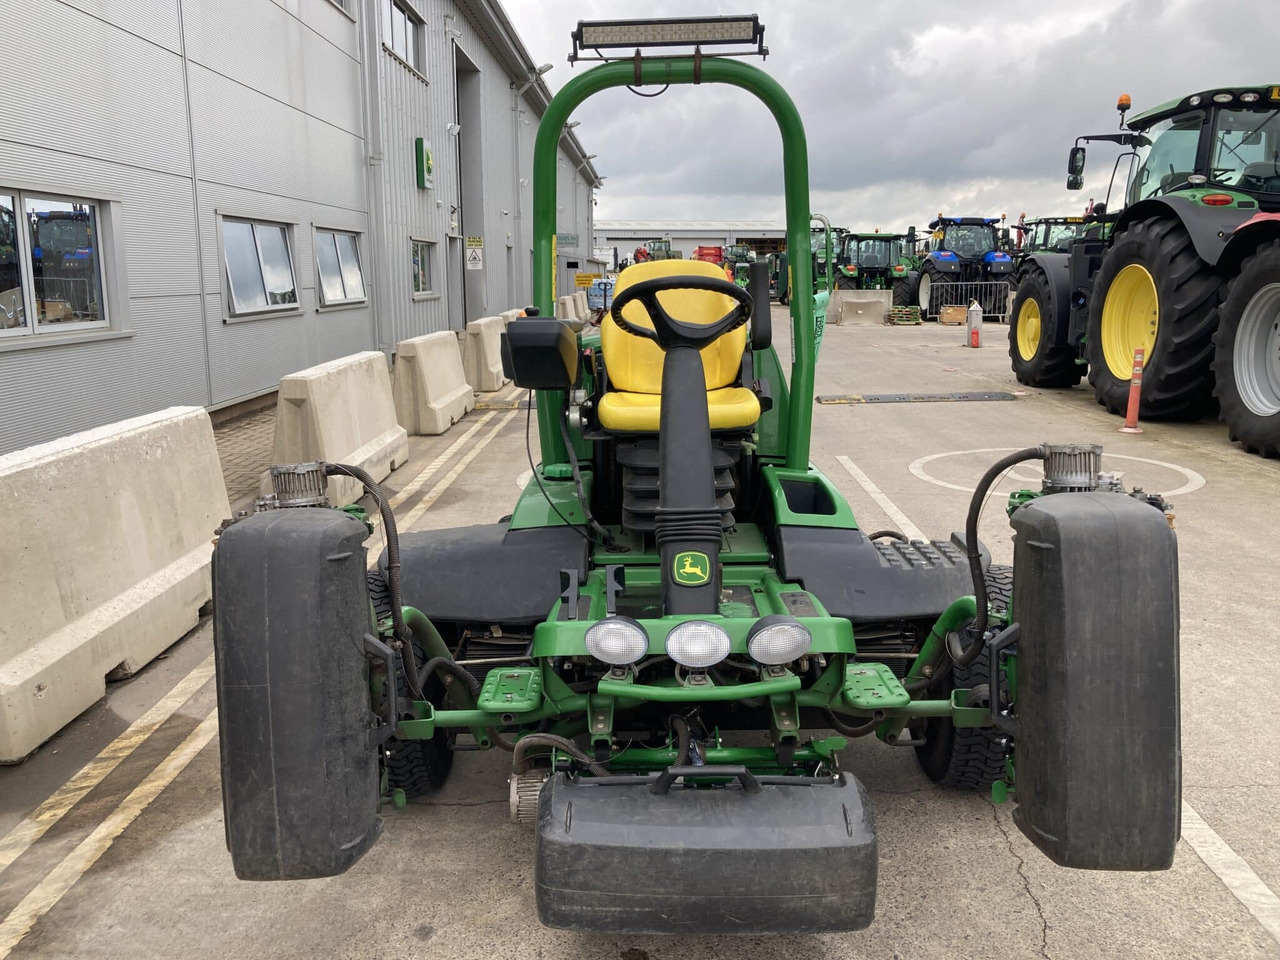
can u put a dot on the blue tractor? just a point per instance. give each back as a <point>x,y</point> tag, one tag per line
<point>965,262</point>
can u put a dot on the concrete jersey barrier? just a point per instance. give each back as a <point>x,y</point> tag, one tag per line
<point>343,412</point>
<point>431,391</point>
<point>482,354</point>
<point>105,539</point>
<point>584,309</point>
<point>566,309</point>
<point>509,315</point>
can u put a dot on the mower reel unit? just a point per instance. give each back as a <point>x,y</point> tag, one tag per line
<point>681,625</point>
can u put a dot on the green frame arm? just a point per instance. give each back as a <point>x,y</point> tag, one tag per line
<point>795,165</point>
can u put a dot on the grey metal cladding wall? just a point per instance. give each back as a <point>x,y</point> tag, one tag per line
<point>277,125</point>
<point>112,128</point>
<point>411,108</point>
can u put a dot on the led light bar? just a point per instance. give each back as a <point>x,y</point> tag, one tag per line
<point>674,32</point>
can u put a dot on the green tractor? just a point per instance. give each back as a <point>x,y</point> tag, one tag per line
<point>880,261</point>
<point>681,625</point>
<point>1188,271</point>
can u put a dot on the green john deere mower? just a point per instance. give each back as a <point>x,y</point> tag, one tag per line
<point>681,624</point>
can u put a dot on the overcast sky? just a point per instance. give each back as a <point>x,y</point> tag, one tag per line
<point>910,108</point>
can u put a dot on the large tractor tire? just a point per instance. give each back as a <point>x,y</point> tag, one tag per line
<point>1153,291</point>
<point>969,758</point>
<point>930,275</point>
<point>1246,361</point>
<point>1036,332</point>
<point>414,766</point>
<point>904,290</point>
<point>845,283</point>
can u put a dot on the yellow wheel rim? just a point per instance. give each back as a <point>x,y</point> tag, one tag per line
<point>1130,319</point>
<point>1028,328</point>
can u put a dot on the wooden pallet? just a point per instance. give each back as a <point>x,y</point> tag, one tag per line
<point>903,316</point>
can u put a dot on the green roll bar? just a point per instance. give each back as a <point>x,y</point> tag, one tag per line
<point>795,169</point>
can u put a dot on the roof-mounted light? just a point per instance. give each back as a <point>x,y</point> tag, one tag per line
<point>1250,97</point>
<point>1194,100</point>
<point>1223,98</point>
<point>599,35</point>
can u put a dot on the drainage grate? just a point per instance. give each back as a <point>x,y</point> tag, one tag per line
<point>969,395</point>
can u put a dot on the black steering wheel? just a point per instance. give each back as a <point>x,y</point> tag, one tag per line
<point>669,332</point>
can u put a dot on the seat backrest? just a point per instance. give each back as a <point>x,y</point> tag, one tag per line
<point>635,363</point>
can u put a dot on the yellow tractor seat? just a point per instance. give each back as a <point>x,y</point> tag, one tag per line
<point>633,403</point>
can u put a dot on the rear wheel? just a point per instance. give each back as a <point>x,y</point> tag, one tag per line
<point>902,290</point>
<point>930,276</point>
<point>845,283</point>
<point>414,766</point>
<point>1246,363</point>
<point>1153,291</point>
<point>1039,358</point>
<point>969,758</point>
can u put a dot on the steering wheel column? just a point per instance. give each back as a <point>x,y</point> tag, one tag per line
<point>687,527</point>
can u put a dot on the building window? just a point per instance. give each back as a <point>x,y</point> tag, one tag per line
<point>338,262</point>
<point>50,264</point>
<point>402,33</point>
<point>423,265</point>
<point>259,266</point>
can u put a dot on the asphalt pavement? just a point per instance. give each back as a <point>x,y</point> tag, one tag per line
<point>111,836</point>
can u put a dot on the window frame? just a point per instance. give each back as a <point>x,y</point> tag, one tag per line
<point>415,39</point>
<point>321,302</point>
<point>32,326</point>
<point>229,312</point>
<point>432,293</point>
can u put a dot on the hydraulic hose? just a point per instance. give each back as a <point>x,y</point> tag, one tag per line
<point>393,568</point>
<point>447,665</point>
<point>605,536</point>
<point>684,737</point>
<point>839,726</point>
<point>961,657</point>
<point>892,534</point>
<point>519,763</point>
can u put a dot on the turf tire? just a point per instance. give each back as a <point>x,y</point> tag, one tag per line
<point>414,766</point>
<point>968,758</point>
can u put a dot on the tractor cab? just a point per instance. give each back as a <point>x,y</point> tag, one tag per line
<point>965,264</point>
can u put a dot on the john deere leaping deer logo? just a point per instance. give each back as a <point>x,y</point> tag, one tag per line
<point>691,568</point>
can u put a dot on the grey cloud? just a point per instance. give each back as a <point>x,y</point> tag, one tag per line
<point>908,108</point>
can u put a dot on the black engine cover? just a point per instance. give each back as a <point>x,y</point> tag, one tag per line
<point>487,573</point>
<point>868,582</point>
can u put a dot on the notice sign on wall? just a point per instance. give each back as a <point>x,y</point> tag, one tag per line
<point>585,279</point>
<point>475,253</point>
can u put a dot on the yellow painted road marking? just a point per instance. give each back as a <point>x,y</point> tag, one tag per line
<point>96,770</point>
<point>64,876</point>
<point>446,481</point>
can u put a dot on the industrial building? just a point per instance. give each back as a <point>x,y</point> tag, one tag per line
<point>216,193</point>
<point>616,240</point>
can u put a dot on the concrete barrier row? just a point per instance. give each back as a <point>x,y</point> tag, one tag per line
<point>106,537</point>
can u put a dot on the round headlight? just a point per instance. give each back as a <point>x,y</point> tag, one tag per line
<point>778,639</point>
<point>1249,97</point>
<point>1222,98</point>
<point>617,640</point>
<point>696,643</point>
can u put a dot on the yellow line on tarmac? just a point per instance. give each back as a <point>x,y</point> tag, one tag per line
<point>21,837</point>
<point>423,505</point>
<point>64,876</point>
